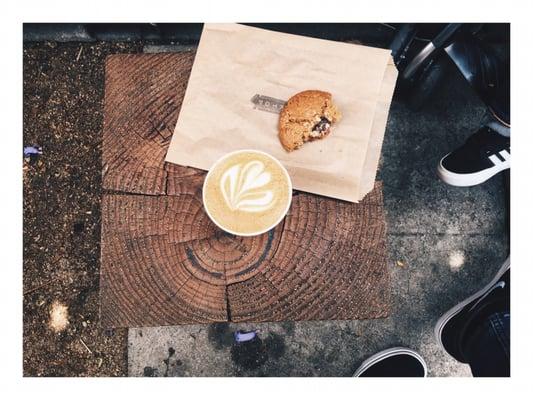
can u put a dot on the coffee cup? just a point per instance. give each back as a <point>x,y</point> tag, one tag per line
<point>247,192</point>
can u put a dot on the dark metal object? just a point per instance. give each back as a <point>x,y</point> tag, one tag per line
<point>430,50</point>
<point>423,63</point>
<point>419,60</point>
<point>401,43</point>
<point>488,75</point>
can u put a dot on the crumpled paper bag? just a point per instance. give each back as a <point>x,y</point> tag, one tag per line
<point>241,78</point>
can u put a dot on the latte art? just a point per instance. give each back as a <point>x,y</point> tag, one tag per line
<point>243,187</point>
<point>247,192</point>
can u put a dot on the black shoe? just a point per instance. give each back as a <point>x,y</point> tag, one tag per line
<point>394,362</point>
<point>484,154</point>
<point>454,327</point>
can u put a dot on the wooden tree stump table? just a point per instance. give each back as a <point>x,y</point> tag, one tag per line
<point>165,263</point>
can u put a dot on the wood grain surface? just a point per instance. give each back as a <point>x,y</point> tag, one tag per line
<point>165,263</point>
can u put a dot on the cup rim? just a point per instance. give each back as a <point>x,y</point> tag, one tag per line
<point>230,154</point>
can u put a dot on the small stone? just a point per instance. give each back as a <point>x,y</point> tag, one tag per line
<point>78,227</point>
<point>59,318</point>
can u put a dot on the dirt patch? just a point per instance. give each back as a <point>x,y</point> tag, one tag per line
<point>63,105</point>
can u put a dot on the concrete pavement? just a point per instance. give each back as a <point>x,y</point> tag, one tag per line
<point>444,243</point>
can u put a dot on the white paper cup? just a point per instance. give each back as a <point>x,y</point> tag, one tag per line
<point>278,220</point>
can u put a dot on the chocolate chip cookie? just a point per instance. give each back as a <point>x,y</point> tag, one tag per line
<point>307,116</point>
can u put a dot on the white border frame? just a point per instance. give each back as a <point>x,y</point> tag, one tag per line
<point>15,13</point>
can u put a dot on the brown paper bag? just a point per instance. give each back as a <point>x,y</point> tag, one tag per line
<point>242,75</point>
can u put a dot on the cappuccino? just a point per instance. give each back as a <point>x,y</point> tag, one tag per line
<point>247,192</point>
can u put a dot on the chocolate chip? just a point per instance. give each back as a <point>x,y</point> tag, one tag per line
<point>322,126</point>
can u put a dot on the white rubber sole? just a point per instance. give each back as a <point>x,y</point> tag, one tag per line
<point>443,320</point>
<point>464,180</point>
<point>386,354</point>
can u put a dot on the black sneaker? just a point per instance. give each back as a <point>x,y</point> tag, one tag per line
<point>455,326</point>
<point>396,362</point>
<point>484,154</point>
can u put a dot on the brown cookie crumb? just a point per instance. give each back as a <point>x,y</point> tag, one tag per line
<point>307,116</point>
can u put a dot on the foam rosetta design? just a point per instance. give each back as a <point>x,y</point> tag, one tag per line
<point>243,187</point>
